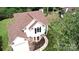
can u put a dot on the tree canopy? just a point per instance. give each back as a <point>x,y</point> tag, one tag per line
<point>64,33</point>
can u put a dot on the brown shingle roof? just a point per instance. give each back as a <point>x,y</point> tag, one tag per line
<point>14,31</point>
<point>38,15</point>
<point>21,20</point>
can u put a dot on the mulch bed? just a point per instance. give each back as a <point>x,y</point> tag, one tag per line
<point>37,45</point>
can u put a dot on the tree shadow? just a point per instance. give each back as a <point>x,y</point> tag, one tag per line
<point>1,43</point>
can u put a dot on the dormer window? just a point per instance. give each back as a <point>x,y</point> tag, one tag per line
<point>38,29</point>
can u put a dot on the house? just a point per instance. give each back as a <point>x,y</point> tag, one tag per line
<point>27,27</point>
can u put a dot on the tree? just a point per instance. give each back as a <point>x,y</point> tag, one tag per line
<point>64,33</point>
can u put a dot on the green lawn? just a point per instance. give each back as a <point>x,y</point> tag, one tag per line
<point>4,34</point>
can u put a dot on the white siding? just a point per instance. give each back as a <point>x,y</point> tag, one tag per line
<point>31,32</point>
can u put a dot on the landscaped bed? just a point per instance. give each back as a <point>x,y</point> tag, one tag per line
<point>37,45</point>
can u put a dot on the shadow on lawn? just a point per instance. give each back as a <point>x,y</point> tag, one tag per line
<point>1,43</point>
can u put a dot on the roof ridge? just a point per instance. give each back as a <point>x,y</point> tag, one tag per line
<point>33,24</point>
<point>30,15</point>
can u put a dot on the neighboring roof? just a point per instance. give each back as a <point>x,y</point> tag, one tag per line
<point>23,19</point>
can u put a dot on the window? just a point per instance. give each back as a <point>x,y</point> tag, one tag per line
<point>37,38</point>
<point>35,30</point>
<point>38,29</point>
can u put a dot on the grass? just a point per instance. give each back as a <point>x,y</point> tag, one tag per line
<point>3,32</point>
<point>52,17</point>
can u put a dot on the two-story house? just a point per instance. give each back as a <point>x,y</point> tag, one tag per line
<point>27,26</point>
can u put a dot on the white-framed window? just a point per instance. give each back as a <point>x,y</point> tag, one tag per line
<point>38,29</point>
